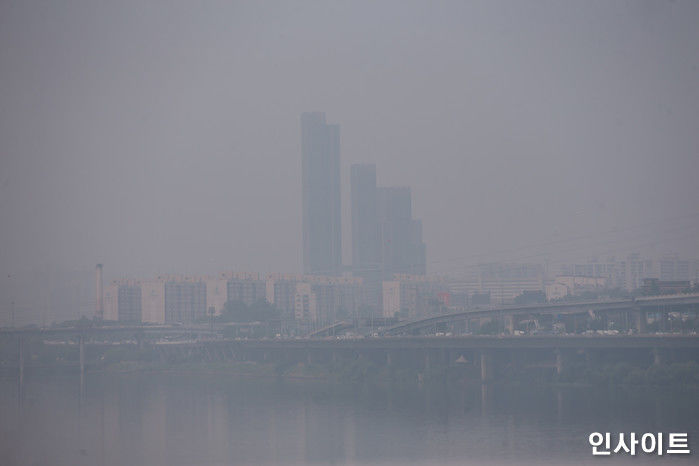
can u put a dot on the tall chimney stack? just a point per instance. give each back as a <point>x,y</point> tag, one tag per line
<point>99,307</point>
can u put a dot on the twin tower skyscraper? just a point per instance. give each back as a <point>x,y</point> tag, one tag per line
<point>386,240</point>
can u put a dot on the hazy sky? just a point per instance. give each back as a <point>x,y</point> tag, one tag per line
<point>165,136</point>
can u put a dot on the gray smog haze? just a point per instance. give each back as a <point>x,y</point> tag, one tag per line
<point>165,136</point>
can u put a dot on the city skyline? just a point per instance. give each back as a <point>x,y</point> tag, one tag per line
<point>348,232</point>
<point>160,159</point>
<point>311,301</point>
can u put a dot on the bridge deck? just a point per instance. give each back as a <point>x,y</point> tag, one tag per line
<point>467,342</point>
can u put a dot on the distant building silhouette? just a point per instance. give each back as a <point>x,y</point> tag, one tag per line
<point>366,243</point>
<point>322,237</point>
<point>386,240</point>
<point>402,249</point>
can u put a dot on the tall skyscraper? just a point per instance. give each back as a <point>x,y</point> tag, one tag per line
<point>386,240</point>
<point>402,249</point>
<point>366,246</point>
<point>322,236</point>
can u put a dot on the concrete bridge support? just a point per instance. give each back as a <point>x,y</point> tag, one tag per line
<point>511,322</point>
<point>592,357</point>
<point>570,322</point>
<point>561,361</point>
<point>661,356</point>
<point>486,397</point>
<point>81,343</point>
<point>446,357</point>
<point>20,379</point>
<point>487,366</point>
<point>641,321</point>
<point>665,323</point>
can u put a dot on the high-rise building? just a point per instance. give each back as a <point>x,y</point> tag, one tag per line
<point>674,268</point>
<point>366,246</point>
<point>505,282</point>
<point>216,294</point>
<point>636,269</point>
<point>305,311</point>
<point>413,297</point>
<point>122,301</point>
<point>99,306</point>
<point>185,301</point>
<point>386,240</point>
<point>153,301</point>
<point>129,303</point>
<point>320,147</point>
<point>247,291</point>
<point>402,249</point>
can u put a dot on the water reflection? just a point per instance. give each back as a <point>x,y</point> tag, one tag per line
<point>169,419</point>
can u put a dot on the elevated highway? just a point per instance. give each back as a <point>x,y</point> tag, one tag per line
<point>636,309</point>
<point>94,331</point>
<point>469,342</point>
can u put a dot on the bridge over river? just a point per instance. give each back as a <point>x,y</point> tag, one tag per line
<point>487,351</point>
<point>402,343</point>
<point>631,314</point>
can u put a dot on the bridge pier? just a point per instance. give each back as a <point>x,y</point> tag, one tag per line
<point>661,356</point>
<point>486,397</point>
<point>592,357</point>
<point>561,361</point>
<point>569,322</point>
<point>641,321</point>
<point>20,378</point>
<point>140,340</point>
<point>487,363</point>
<point>510,324</point>
<point>81,343</point>
<point>559,403</point>
<point>82,366</point>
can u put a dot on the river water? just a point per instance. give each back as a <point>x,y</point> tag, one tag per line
<point>211,419</point>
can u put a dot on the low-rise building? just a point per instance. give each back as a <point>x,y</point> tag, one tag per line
<point>412,296</point>
<point>216,294</point>
<point>653,286</point>
<point>122,301</point>
<point>564,286</point>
